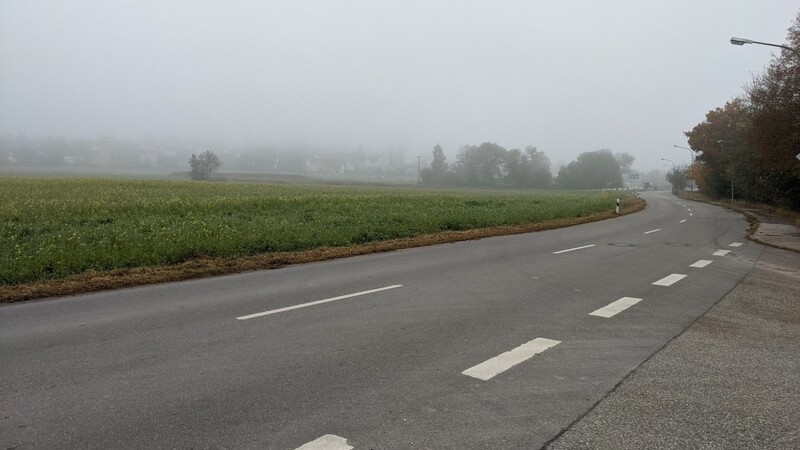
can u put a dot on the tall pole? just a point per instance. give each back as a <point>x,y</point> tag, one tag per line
<point>419,161</point>
<point>691,182</point>
<point>674,174</point>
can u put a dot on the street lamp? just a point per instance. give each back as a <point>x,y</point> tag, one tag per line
<point>674,174</point>
<point>742,41</point>
<point>691,182</point>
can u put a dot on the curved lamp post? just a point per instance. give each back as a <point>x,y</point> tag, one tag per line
<point>691,182</point>
<point>742,41</point>
<point>674,188</point>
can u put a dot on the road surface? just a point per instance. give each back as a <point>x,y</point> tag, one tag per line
<point>496,343</point>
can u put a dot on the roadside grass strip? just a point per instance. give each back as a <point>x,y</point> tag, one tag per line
<point>500,363</point>
<point>53,228</point>
<point>326,442</point>
<point>616,307</point>
<point>670,280</point>
<point>318,302</point>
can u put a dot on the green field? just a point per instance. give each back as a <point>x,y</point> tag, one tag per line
<point>53,228</point>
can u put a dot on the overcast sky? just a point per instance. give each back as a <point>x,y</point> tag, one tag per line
<point>564,76</point>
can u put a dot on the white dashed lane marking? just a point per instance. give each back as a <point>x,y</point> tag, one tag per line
<point>684,220</point>
<point>736,244</point>
<point>721,252</point>
<point>500,363</point>
<point>702,263</point>
<point>327,442</point>
<point>670,280</point>
<point>318,302</point>
<point>615,308</point>
<point>573,249</point>
<point>652,231</point>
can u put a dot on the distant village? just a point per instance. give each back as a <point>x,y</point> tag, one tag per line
<point>107,153</point>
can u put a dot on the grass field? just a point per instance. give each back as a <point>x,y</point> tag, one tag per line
<point>55,228</point>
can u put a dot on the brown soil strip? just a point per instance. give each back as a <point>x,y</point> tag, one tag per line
<point>207,267</point>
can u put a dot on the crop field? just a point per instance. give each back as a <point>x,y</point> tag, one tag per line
<point>54,228</point>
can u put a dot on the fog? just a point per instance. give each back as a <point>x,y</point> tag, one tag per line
<point>567,76</point>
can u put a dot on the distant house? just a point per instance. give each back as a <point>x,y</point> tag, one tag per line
<point>325,166</point>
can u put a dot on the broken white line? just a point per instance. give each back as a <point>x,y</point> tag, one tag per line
<point>736,244</point>
<point>702,263</point>
<point>318,302</point>
<point>327,442</point>
<point>615,308</point>
<point>500,363</point>
<point>721,252</point>
<point>652,231</point>
<point>573,249</point>
<point>670,280</point>
<point>684,220</point>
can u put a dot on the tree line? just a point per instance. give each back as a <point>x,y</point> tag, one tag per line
<point>489,164</point>
<point>748,148</point>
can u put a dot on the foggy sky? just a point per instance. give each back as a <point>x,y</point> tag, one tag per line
<point>564,76</point>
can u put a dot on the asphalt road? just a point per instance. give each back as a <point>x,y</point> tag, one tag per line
<point>482,344</point>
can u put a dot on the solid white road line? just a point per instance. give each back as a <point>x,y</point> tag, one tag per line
<point>318,302</point>
<point>615,308</point>
<point>736,244</point>
<point>670,280</point>
<point>327,442</point>
<point>652,231</point>
<point>721,252</point>
<point>573,249</point>
<point>702,263</point>
<point>684,220</point>
<point>500,363</point>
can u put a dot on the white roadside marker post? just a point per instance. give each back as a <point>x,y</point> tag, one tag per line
<point>617,205</point>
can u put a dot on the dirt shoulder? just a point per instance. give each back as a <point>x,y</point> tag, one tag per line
<point>209,267</point>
